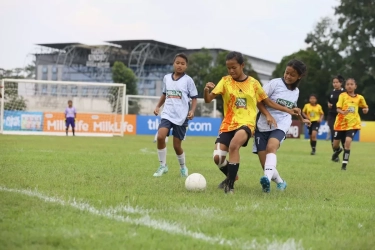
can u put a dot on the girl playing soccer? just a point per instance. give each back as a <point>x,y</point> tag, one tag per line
<point>178,89</point>
<point>240,93</point>
<point>348,121</point>
<point>314,112</point>
<point>267,139</point>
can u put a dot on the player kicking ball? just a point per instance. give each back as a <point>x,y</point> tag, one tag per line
<point>178,89</point>
<point>70,117</point>
<point>348,121</point>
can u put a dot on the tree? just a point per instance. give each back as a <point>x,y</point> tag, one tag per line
<point>122,74</point>
<point>30,70</point>
<point>13,101</point>
<point>315,82</point>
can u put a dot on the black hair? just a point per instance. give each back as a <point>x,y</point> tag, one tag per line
<point>236,56</point>
<point>70,101</point>
<point>314,95</point>
<point>340,78</point>
<point>301,69</point>
<point>352,79</point>
<point>182,55</point>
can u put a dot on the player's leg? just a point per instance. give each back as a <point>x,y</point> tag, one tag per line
<point>313,137</point>
<point>163,131</point>
<point>178,136</point>
<point>66,126</point>
<point>156,136</point>
<point>337,137</point>
<point>348,141</point>
<point>240,139</point>
<point>260,143</point>
<point>73,124</point>
<point>331,122</point>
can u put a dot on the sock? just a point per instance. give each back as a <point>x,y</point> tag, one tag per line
<point>232,173</point>
<point>73,131</point>
<point>181,160</point>
<point>224,167</point>
<point>66,131</point>
<point>313,145</point>
<point>345,158</point>
<point>270,165</point>
<point>276,177</point>
<point>162,154</point>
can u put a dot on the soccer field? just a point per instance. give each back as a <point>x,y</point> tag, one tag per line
<point>99,193</point>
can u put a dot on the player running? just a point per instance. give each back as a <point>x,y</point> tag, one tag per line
<point>70,117</point>
<point>348,121</point>
<point>240,93</point>
<point>267,139</point>
<point>314,112</point>
<point>178,89</point>
<point>333,97</point>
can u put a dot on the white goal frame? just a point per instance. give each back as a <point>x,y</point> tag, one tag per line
<point>2,102</point>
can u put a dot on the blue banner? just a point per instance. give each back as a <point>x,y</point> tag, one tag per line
<point>323,132</point>
<point>23,121</point>
<point>199,126</point>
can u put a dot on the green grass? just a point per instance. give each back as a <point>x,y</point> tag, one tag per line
<point>99,193</point>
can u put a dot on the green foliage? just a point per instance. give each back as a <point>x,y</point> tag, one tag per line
<point>122,74</point>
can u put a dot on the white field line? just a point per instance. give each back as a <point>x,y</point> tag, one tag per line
<point>162,225</point>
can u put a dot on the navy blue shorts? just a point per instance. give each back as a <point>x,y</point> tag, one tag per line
<point>178,131</point>
<point>70,121</point>
<point>226,137</point>
<point>261,139</point>
<point>314,127</point>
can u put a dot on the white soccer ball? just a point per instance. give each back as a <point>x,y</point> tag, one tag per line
<point>195,182</point>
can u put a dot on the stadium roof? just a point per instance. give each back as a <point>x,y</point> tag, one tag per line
<point>134,43</point>
<point>58,45</point>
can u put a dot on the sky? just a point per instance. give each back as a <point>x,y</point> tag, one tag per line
<point>268,29</point>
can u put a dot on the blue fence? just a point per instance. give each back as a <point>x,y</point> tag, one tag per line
<point>20,120</point>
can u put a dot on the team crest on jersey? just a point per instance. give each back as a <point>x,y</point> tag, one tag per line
<point>241,103</point>
<point>351,109</point>
<point>285,103</point>
<point>174,94</point>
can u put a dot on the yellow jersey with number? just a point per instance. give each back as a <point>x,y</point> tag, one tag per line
<point>240,102</point>
<point>352,120</point>
<point>313,112</point>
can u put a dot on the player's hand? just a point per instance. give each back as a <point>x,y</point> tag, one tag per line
<point>365,110</point>
<point>156,111</point>
<point>271,121</point>
<point>345,112</point>
<point>330,105</point>
<point>209,86</point>
<point>307,122</point>
<point>190,115</point>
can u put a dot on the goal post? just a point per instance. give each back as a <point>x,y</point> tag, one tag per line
<point>145,105</point>
<point>37,107</point>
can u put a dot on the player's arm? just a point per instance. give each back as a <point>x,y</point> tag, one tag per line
<point>194,102</point>
<point>305,111</point>
<point>276,106</point>
<point>321,114</point>
<point>340,104</point>
<point>193,93</point>
<point>209,95</point>
<point>270,120</point>
<point>362,104</point>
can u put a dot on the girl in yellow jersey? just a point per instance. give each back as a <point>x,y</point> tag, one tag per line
<point>348,121</point>
<point>241,94</point>
<point>314,112</point>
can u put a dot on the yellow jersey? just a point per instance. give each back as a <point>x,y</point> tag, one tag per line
<point>352,120</point>
<point>240,102</point>
<point>313,112</point>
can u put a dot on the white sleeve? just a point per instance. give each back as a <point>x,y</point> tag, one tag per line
<point>269,87</point>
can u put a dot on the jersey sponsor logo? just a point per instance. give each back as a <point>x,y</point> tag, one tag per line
<point>285,103</point>
<point>312,114</point>
<point>174,94</point>
<point>241,103</point>
<point>351,109</point>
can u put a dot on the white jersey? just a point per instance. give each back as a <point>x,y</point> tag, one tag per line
<point>278,92</point>
<point>178,93</point>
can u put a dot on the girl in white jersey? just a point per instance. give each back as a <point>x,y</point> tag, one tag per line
<point>267,139</point>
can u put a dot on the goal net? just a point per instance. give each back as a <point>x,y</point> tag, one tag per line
<point>145,105</point>
<point>38,107</point>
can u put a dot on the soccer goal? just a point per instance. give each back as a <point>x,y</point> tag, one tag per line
<point>145,105</point>
<point>36,107</point>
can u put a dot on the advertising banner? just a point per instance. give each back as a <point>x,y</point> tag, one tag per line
<point>23,121</point>
<point>323,132</point>
<point>90,123</point>
<point>294,130</point>
<point>367,132</point>
<point>199,126</point>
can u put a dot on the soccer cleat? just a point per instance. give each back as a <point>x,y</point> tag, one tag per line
<point>266,185</point>
<point>312,153</point>
<point>343,168</point>
<point>281,186</point>
<point>161,170</point>
<point>337,159</point>
<point>184,172</point>
<point>336,154</point>
<point>227,189</point>
<point>221,185</point>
